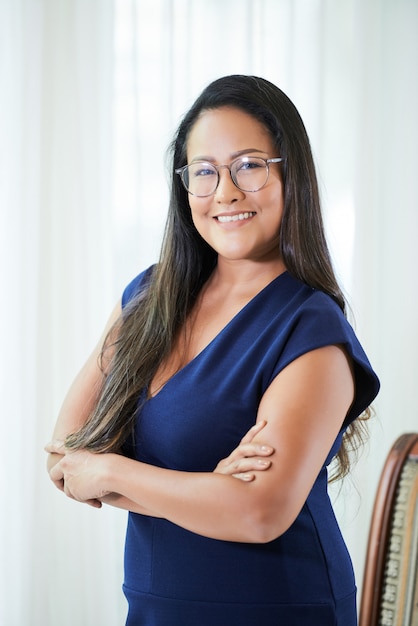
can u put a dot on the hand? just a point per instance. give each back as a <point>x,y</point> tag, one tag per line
<point>78,473</point>
<point>247,458</point>
<point>56,451</point>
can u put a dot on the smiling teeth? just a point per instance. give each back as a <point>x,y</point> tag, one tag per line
<point>234,218</point>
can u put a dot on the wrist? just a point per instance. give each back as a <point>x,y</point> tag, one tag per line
<point>108,472</point>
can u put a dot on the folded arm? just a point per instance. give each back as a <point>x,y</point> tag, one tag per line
<point>78,404</point>
<point>304,409</point>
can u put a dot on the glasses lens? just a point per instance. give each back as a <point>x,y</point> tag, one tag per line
<point>250,173</point>
<point>200,179</point>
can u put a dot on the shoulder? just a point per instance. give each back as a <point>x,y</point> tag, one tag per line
<point>314,320</point>
<point>137,285</point>
<point>305,308</point>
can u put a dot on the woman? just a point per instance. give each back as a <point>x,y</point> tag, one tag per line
<point>240,328</point>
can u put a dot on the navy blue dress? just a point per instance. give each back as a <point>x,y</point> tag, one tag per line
<point>174,577</point>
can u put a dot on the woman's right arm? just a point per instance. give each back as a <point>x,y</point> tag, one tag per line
<point>82,395</point>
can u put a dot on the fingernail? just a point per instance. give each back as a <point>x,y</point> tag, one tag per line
<point>263,462</point>
<point>266,449</point>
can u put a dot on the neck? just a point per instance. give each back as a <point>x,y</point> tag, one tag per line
<point>246,274</point>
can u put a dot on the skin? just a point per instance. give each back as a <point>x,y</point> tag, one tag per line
<point>300,414</point>
<point>218,137</point>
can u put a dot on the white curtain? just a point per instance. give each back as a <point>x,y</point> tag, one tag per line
<point>91,92</point>
<point>59,564</point>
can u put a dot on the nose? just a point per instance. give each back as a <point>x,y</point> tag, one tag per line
<point>226,191</point>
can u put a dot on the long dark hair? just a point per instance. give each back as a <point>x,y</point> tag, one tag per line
<point>144,335</point>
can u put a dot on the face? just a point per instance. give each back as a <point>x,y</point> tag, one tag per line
<point>237,224</point>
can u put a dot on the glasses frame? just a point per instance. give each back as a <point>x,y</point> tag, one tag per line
<point>182,170</point>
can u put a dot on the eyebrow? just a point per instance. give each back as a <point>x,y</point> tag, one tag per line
<point>234,155</point>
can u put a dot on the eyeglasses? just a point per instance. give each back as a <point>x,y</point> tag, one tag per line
<point>201,178</point>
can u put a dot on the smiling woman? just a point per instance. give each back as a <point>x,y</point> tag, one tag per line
<point>226,382</point>
<point>90,93</point>
<point>239,211</point>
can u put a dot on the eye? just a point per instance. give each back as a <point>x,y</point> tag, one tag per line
<point>202,169</point>
<point>249,163</point>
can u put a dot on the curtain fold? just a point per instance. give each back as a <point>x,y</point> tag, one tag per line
<point>60,564</point>
<point>90,96</point>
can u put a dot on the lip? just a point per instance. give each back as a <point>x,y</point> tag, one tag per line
<point>237,217</point>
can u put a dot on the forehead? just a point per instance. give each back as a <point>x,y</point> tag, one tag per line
<point>218,133</point>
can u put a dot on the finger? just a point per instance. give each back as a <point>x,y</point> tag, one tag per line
<point>248,450</point>
<point>254,449</point>
<point>245,465</point>
<point>56,474</point>
<point>254,430</point>
<point>68,492</point>
<point>245,477</point>
<point>94,503</point>
<point>250,464</point>
<point>59,484</point>
<point>56,446</point>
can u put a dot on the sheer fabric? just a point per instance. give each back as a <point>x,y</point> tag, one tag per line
<point>90,94</point>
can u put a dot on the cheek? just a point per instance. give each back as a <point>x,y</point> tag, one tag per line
<point>273,202</point>
<point>198,209</point>
<point>277,201</point>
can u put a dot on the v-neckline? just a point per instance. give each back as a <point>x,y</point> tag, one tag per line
<point>214,340</point>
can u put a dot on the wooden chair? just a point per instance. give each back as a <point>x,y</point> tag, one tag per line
<point>390,586</point>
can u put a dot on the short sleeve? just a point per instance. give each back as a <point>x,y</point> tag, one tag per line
<point>135,286</point>
<point>319,323</point>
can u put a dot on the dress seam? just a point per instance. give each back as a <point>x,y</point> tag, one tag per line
<point>335,598</point>
<point>211,602</point>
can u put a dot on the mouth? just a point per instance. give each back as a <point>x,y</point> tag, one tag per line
<point>237,217</point>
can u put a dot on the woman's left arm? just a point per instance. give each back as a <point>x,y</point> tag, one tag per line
<point>243,463</point>
<point>304,408</point>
